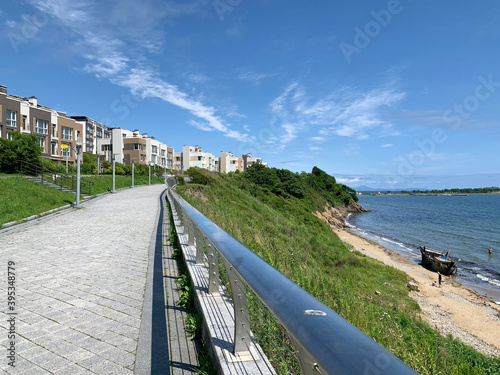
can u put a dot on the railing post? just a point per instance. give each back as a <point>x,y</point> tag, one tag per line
<point>190,231</point>
<point>213,270</point>
<point>199,246</point>
<point>242,337</point>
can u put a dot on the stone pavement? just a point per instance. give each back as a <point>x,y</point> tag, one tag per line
<point>82,277</point>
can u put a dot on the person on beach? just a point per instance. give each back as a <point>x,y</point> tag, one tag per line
<point>440,279</point>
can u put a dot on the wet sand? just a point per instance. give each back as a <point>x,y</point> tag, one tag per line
<point>451,309</point>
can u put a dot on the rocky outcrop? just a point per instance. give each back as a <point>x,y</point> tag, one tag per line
<point>335,216</point>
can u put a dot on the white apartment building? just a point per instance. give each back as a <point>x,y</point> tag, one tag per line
<point>230,163</point>
<point>196,157</point>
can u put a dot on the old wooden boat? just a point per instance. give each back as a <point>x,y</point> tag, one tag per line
<point>437,261</point>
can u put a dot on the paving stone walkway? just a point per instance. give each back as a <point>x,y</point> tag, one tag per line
<point>80,281</point>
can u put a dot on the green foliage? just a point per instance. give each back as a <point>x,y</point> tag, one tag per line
<point>206,366</point>
<point>485,190</point>
<point>200,176</point>
<point>21,198</point>
<point>90,159</point>
<point>21,147</point>
<point>282,230</point>
<point>194,324</point>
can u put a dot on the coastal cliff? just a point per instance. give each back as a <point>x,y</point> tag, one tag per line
<point>336,216</point>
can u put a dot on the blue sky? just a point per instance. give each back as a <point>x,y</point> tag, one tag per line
<point>388,94</point>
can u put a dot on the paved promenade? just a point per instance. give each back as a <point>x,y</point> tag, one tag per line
<point>81,280</point>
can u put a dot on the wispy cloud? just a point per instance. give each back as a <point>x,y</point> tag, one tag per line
<point>198,78</point>
<point>255,78</point>
<point>108,55</point>
<point>387,145</point>
<point>347,111</point>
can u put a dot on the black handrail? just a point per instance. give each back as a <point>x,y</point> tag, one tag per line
<point>56,177</point>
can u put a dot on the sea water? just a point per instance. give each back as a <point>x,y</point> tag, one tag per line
<point>464,226</point>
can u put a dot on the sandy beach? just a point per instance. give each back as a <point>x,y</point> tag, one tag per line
<point>452,309</point>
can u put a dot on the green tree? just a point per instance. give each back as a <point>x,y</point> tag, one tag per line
<point>23,147</point>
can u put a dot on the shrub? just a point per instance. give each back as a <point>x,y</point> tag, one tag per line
<point>20,147</point>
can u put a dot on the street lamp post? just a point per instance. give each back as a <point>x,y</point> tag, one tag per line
<point>133,167</point>
<point>78,159</point>
<point>114,191</point>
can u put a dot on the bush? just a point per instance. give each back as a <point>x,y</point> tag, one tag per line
<point>200,176</point>
<point>21,147</point>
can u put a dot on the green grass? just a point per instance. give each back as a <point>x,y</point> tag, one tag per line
<point>295,242</point>
<point>104,183</point>
<point>21,198</point>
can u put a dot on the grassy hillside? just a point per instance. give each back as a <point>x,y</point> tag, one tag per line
<point>270,211</point>
<point>21,198</point>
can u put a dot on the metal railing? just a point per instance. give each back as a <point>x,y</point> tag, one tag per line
<point>61,179</point>
<point>298,333</point>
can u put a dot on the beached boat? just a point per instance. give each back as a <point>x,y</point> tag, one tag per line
<point>437,261</point>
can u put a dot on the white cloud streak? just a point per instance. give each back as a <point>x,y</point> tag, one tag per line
<point>108,58</point>
<point>346,112</point>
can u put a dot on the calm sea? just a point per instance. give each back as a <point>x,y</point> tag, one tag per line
<point>466,226</point>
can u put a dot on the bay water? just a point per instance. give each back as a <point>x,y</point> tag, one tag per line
<point>464,226</point>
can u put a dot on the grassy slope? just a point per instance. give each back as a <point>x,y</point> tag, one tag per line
<point>104,183</point>
<point>21,198</point>
<point>306,250</point>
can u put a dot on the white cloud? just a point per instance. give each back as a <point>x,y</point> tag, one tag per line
<point>315,148</point>
<point>255,78</point>
<point>347,111</point>
<point>387,145</point>
<point>109,56</point>
<point>317,139</point>
<point>198,78</point>
<point>347,181</point>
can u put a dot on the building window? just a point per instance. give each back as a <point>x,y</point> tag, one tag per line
<point>108,148</point>
<point>53,148</point>
<point>124,135</point>
<point>143,157</point>
<point>42,126</point>
<point>25,126</point>
<point>154,149</point>
<point>67,133</point>
<point>66,151</point>
<point>163,153</point>
<point>41,142</point>
<point>153,159</point>
<point>137,146</point>
<point>11,118</point>
<point>170,155</point>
